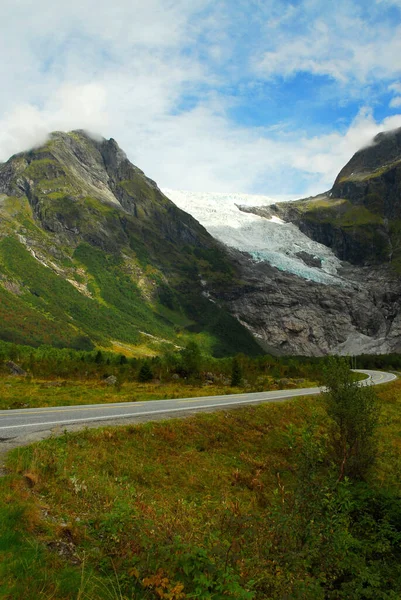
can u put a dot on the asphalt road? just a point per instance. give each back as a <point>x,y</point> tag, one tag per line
<point>20,426</point>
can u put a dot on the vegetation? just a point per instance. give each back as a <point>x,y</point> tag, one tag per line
<point>354,413</point>
<point>246,504</point>
<point>57,376</point>
<point>358,233</point>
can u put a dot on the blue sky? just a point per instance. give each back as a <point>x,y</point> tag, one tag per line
<point>255,96</point>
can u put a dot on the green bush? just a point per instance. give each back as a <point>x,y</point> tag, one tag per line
<point>354,413</point>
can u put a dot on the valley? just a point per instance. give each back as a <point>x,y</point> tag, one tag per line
<point>117,307</point>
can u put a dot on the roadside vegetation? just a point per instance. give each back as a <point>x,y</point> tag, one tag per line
<point>296,500</point>
<point>55,377</point>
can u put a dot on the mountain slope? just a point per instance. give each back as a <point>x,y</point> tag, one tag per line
<point>92,252</point>
<point>360,217</point>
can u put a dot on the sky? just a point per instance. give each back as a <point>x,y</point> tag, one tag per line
<point>255,96</point>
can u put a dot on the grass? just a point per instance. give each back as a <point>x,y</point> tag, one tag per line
<point>17,392</point>
<point>184,479</point>
<point>162,508</point>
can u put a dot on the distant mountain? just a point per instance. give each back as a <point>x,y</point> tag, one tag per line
<point>93,253</point>
<point>360,217</point>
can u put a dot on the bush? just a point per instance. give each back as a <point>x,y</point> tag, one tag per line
<point>354,413</point>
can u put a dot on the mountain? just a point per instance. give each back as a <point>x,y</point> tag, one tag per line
<point>344,246</point>
<point>92,253</point>
<point>360,217</point>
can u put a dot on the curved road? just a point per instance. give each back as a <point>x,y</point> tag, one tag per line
<point>20,426</point>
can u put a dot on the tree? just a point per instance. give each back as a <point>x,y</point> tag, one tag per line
<point>145,373</point>
<point>122,359</point>
<point>354,413</point>
<point>99,357</point>
<point>236,373</point>
<point>191,360</point>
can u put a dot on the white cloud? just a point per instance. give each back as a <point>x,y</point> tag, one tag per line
<point>395,87</point>
<point>154,76</point>
<point>199,149</point>
<point>395,102</point>
<point>331,39</point>
<point>27,126</point>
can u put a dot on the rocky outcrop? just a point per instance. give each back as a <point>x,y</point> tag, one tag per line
<point>289,315</point>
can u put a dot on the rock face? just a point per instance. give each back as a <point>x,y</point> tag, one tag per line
<point>289,315</point>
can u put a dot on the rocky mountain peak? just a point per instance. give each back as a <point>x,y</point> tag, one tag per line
<point>384,150</point>
<point>373,176</point>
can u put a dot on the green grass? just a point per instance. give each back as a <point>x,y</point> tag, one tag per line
<point>121,314</point>
<point>19,392</point>
<point>179,506</point>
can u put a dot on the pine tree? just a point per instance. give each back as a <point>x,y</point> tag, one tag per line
<point>236,373</point>
<point>145,373</point>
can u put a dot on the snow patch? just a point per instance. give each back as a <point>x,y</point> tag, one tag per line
<point>275,219</point>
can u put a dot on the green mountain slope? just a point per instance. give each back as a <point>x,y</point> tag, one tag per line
<point>91,253</point>
<point>360,217</point>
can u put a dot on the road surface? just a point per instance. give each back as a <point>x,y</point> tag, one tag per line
<point>21,426</point>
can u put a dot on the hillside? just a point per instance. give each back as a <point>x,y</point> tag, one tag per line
<point>93,254</point>
<point>360,217</point>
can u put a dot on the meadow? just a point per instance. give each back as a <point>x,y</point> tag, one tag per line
<point>243,504</point>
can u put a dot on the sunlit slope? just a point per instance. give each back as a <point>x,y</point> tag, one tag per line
<point>91,251</point>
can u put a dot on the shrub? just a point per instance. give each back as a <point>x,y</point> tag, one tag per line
<point>353,410</point>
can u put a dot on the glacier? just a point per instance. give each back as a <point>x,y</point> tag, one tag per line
<point>270,240</point>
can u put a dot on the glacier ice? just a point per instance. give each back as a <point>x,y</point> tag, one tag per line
<point>270,240</point>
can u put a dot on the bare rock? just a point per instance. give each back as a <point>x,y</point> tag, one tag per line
<point>15,369</point>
